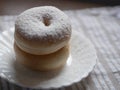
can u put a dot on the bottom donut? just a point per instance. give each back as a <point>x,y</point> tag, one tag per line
<point>42,62</point>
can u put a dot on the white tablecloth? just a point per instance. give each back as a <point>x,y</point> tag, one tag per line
<point>102,27</point>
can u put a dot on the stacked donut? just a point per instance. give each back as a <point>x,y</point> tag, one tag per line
<point>41,37</point>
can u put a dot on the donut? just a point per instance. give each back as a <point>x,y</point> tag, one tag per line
<point>47,62</point>
<point>42,30</point>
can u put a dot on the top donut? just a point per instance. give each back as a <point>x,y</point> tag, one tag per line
<point>42,30</point>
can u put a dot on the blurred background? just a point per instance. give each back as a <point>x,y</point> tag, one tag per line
<point>100,25</point>
<point>14,7</point>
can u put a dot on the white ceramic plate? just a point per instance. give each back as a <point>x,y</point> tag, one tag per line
<point>80,63</point>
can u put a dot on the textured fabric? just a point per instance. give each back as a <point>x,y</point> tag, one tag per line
<point>102,27</point>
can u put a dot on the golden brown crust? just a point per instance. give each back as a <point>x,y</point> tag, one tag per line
<point>42,62</point>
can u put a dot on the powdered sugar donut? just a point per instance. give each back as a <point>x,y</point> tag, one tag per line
<point>42,30</point>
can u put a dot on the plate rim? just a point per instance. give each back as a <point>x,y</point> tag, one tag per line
<point>66,84</point>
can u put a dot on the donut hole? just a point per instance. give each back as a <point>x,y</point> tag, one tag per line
<point>46,21</point>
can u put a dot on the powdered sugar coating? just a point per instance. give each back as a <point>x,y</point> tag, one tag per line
<point>42,25</point>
